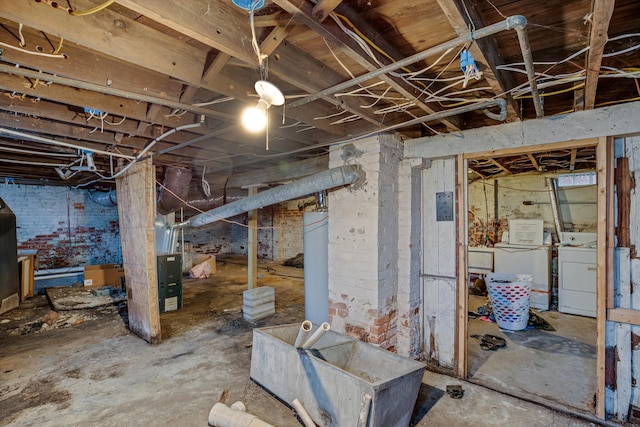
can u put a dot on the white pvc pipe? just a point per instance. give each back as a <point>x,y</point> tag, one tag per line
<point>223,416</point>
<point>323,329</point>
<point>305,328</point>
<point>303,414</point>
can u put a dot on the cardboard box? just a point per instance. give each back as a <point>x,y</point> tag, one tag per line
<point>103,275</point>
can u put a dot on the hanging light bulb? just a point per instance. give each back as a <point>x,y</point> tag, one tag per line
<point>254,119</point>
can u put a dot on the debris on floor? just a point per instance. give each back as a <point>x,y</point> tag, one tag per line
<point>537,322</point>
<point>479,287</point>
<point>490,342</point>
<point>70,298</point>
<point>485,313</point>
<point>52,320</point>
<point>297,261</point>
<point>455,391</point>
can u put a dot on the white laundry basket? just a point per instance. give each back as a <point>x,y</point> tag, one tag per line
<point>509,295</point>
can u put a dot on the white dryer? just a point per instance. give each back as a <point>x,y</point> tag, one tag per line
<point>577,280</point>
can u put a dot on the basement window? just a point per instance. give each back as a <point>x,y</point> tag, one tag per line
<point>577,179</point>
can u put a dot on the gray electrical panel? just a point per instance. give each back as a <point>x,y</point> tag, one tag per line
<point>444,206</point>
<point>169,282</point>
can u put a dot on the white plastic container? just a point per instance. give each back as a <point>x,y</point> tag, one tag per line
<point>510,295</point>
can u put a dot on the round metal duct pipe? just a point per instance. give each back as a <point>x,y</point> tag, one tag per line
<point>176,180</point>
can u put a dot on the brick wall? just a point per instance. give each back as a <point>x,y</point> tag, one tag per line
<point>363,236</point>
<point>280,235</point>
<point>64,225</point>
<point>526,197</point>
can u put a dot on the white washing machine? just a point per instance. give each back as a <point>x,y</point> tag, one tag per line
<point>577,280</point>
<point>523,259</point>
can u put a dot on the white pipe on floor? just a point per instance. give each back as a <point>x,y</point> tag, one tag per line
<point>316,335</point>
<point>235,416</point>
<point>305,328</point>
<point>303,414</point>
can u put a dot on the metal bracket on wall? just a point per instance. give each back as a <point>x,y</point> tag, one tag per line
<point>444,206</point>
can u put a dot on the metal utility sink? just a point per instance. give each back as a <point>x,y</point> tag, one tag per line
<point>335,377</point>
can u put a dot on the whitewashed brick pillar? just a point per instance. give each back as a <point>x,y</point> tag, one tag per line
<point>363,243</point>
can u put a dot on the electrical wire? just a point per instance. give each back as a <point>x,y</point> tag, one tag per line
<point>22,42</point>
<point>148,147</point>
<point>93,9</point>
<point>32,52</point>
<point>206,188</point>
<point>213,216</point>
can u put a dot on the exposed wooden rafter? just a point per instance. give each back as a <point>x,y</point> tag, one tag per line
<point>601,13</point>
<point>323,8</point>
<point>533,161</point>
<point>302,12</point>
<point>572,160</point>
<point>500,165</point>
<point>484,51</point>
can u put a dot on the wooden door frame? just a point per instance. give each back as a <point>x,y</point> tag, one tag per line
<point>604,251</point>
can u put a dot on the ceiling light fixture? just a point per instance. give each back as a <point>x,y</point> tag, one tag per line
<point>249,4</point>
<point>254,119</point>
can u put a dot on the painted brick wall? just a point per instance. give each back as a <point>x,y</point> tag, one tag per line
<point>409,258</point>
<point>363,235</point>
<point>279,236</point>
<point>64,225</point>
<point>526,197</point>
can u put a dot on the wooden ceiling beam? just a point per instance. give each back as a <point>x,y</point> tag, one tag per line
<point>91,66</point>
<point>323,8</point>
<point>97,36</point>
<point>303,13</point>
<point>484,51</point>
<point>572,160</point>
<point>232,35</point>
<point>208,77</point>
<point>533,161</point>
<point>601,12</point>
<point>500,165</point>
<point>477,172</point>
<point>114,35</point>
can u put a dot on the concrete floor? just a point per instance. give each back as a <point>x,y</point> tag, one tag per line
<point>554,367</point>
<point>88,370</point>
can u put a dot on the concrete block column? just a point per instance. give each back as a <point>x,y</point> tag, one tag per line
<point>363,235</point>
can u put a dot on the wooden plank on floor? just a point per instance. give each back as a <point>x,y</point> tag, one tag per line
<point>137,211</point>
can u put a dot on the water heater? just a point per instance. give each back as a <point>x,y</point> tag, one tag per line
<point>316,266</point>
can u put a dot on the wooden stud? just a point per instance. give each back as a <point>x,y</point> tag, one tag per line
<point>624,315</point>
<point>623,185</point>
<point>137,213</point>
<point>605,265</point>
<point>462,294</point>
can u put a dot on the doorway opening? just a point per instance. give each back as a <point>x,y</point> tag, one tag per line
<point>531,223</point>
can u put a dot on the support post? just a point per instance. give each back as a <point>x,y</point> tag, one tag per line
<point>252,243</point>
<point>136,210</point>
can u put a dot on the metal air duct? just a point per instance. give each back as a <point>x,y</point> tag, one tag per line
<point>322,181</point>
